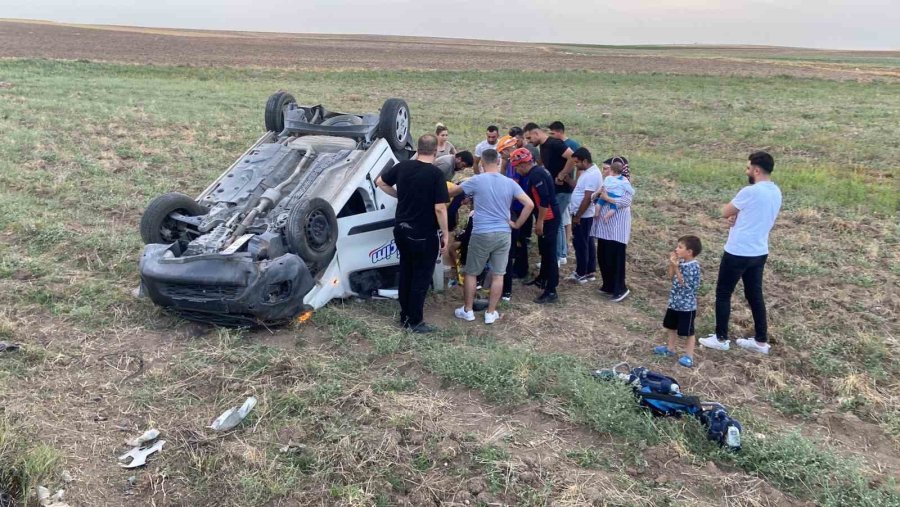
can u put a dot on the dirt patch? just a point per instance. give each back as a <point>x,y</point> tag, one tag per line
<point>305,51</point>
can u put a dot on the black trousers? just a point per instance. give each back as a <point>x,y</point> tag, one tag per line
<point>611,257</point>
<point>418,254</point>
<point>750,270</point>
<point>549,273</point>
<point>517,267</point>
<point>585,253</point>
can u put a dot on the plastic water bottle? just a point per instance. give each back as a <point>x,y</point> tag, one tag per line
<point>733,437</point>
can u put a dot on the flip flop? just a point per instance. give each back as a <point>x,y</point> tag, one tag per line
<point>663,350</point>
<point>686,361</point>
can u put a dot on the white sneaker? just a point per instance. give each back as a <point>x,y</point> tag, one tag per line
<point>461,313</point>
<point>562,261</point>
<point>571,278</point>
<point>537,265</point>
<point>491,317</point>
<point>712,342</point>
<point>752,345</point>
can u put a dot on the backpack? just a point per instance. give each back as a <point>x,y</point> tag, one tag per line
<point>663,396</point>
<point>658,392</point>
<point>721,427</point>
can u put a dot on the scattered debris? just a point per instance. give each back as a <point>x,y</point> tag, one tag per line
<point>48,500</point>
<point>66,476</point>
<point>233,416</point>
<point>9,347</point>
<point>388,294</point>
<point>292,448</point>
<point>148,436</point>
<point>139,455</point>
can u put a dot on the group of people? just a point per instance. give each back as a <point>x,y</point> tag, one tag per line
<point>537,181</point>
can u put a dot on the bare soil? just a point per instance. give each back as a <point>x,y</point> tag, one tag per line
<point>27,39</point>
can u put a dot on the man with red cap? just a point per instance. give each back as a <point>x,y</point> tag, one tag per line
<point>517,264</point>
<point>540,186</point>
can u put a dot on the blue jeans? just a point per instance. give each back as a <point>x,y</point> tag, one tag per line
<point>562,248</point>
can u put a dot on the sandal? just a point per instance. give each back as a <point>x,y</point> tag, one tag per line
<point>686,361</point>
<point>663,350</point>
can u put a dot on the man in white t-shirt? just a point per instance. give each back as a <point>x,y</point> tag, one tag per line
<point>752,214</point>
<point>490,142</point>
<point>582,210</point>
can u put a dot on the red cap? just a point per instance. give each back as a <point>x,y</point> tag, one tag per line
<point>519,156</point>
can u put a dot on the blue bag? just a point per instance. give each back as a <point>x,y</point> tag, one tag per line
<point>663,396</point>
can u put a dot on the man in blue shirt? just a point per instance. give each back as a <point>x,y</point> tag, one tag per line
<point>542,190</point>
<point>492,193</point>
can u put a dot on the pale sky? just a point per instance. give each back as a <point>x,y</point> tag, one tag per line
<point>848,24</point>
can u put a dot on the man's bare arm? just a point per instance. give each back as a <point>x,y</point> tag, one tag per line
<point>387,189</point>
<point>440,211</point>
<point>568,168</point>
<point>527,208</point>
<point>584,204</point>
<point>729,210</point>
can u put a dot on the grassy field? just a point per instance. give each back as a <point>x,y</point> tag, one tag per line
<point>354,412</point>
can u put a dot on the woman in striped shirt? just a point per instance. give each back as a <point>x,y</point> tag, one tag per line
<point>612,239</point>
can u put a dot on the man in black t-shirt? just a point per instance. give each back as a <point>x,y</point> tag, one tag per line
<point>421,193</point>
<point>557,158</point>
<point>539,186</point>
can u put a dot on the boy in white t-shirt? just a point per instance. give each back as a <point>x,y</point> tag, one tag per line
<point>752,214</point>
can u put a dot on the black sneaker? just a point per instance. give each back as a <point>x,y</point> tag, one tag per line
<point>547,297</point>
<point>605,292</point>
<point>618,297</point>
<point>537,282</point>
<point>506,296</point>
<point>422,328</point>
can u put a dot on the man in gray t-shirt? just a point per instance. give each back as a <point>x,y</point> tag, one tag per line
<point>493,194</point>
<point>451,164</point>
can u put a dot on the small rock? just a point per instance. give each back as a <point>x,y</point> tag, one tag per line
<point>475,485</point>
<point>528,477</point>
<point>485,498</point>
<point>132,480</point>
<point>632,471</point>
<point>66,476</point>
<point>662,479</point>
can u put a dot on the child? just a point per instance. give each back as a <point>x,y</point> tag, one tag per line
<point>684,270</point>
<point>615,184</point>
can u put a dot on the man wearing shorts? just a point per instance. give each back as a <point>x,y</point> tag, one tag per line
<point>492,193</point>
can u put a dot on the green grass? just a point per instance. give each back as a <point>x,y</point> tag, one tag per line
<point>24,462</point>
<point>86,145</point>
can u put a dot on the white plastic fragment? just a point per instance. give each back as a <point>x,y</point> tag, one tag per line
<point>48,500</point>
<point>148,436</point>
<point>139,455</point>
<point>43,495</point>
<point>233,416</point>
